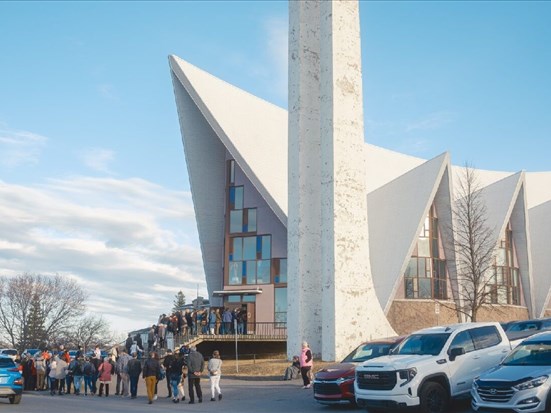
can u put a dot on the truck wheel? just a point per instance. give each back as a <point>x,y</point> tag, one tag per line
<point>15,399</point>
<point>433,398</point>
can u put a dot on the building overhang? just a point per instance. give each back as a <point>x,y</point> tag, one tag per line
<point>236,292</point>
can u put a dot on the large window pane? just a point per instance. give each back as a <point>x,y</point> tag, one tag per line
<point>236,272</point>
<point>263,272</point>
<point>409,288</point>
<point>237,249</point>
<point>266,247</point>
<point>280,299</point>
<point>238,204</point>
<point>425,288</point>
<point>251,272</point>
<point>232,171</point>
<point>411,269</point>
<point>249,298</point>
<point>424,247</point>
<point>234,298</point>
<point>249,248</point>
<point>236,221</point>
<point>251,220</point>
<point>282,276</point>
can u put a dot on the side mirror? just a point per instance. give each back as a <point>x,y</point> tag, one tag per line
<point>454,352</point>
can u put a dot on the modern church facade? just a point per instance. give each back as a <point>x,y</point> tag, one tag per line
<point>260,210</point>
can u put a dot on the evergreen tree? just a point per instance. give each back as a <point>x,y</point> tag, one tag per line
<point>179,301</point>
<point>35,331</point>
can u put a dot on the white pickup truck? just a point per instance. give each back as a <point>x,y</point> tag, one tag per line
<point>430,366</point>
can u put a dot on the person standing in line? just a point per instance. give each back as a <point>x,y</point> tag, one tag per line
<point>122,367</point>
<point>89,371</point>
<point>150,373</point>
<point>168,360</point>
<point>215,371</point>
<point>128,343</point>
<point>52,374</point>
<point>105,370</point>
<point>174,375</point>
<point>134,368</point>
<point>196,365</point>
<point>60,373</point>
<point>77,367</point>
<point>306,364</point>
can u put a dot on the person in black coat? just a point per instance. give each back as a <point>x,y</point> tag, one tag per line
<point>196,365</point>
<point>134,368</point>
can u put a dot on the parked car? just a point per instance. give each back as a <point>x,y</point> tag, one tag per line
<point>73,354</point>
<point>11,381</point>
<point>533,325</point>
<point>10,352</point>
<point>431,366</point>
<point>31,351</point>
<point>335,384</point>
<point>521,383</point>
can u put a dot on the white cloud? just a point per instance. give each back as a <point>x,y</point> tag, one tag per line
<point>120,239</point>
<point>98,159</point>
<point>19,147</point>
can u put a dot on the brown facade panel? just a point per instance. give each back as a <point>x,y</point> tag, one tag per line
<point>502,313</point>
<point>407,316</point>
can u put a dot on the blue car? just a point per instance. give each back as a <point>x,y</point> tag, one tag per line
<point>11,382</point>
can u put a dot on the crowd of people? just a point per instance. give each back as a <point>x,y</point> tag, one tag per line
<point>92,375</point>
<point>211,321</point>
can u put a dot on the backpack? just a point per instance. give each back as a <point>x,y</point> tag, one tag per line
<point>77,368</point>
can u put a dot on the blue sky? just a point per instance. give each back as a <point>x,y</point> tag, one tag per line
<point>93,182</point>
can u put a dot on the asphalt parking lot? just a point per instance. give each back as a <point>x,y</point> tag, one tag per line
<point>239,395</point>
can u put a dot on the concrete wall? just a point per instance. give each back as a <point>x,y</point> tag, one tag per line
<point>502,313</point>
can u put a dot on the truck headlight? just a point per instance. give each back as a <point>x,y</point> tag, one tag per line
<point>530,384</point>
<point>407,375</point>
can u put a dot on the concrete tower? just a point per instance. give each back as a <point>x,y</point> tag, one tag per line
<point>331,299</point>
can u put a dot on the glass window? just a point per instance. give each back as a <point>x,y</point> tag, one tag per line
<point>251,220</point>
<point>236,221</point>
<point>424,247</point>
<point>236,272</point>
<point>282,271</point>
<point>251,272</point>
<point>249,248</point>
<point>238,204</point>
<point>425,288</point>
<point>266,247</point>
<point>237,249</point>
<point>232,171</point>
<point>234,298</point>
<point>249,298</point>
<point>263,272</point>
<point>280,300</point>
<point>485,337</point>
<point>411,270</point>
<point>435,249</point>
<point>463,340</point>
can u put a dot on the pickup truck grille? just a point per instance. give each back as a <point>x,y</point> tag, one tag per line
<point>495,394</point>
<point>376,380</point>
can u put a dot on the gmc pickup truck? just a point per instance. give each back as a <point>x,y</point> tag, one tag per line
<point>431,366</point>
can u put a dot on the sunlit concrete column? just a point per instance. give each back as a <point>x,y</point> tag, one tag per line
<point>304,216</point>
<point>351,311</point>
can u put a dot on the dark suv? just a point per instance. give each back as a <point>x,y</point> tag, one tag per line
<point>335,384</point>
<point>11,382</point>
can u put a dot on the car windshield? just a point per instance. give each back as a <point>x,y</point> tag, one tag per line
<point>531,325</point>
<point>6,362</point>
<point>423,344</point>
<point>530,354</point>
<point>9,352</point>
<point>367,352</point>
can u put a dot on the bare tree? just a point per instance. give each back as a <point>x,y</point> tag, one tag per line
<point>89,331</point>
<point>475,246</point>
<point>54,303</point>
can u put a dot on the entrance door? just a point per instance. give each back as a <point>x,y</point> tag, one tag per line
<point>251,317</point>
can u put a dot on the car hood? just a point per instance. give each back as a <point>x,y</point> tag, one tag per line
<point>396,361</point>
<point>513,374</point>
<point>335,371</point>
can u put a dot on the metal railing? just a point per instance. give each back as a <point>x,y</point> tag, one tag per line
<point>245,331</point>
